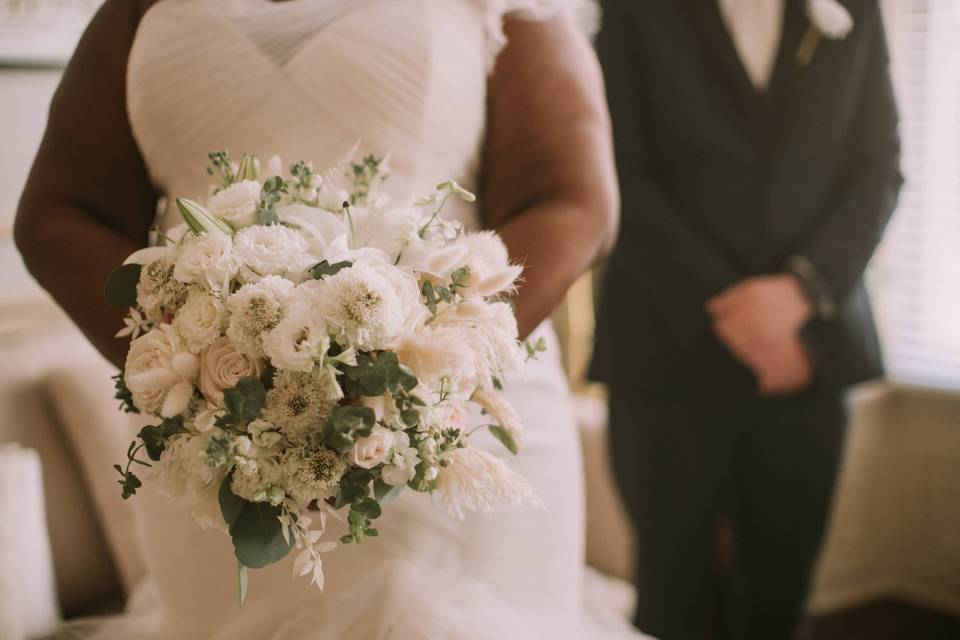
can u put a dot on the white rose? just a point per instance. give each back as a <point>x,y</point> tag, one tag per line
<point>272,250</point>
<point>371,450</point>
<point>207,260</point>
<point>200,320</point>
<point>830,18</point>
<point>159,372</point>
<point>237,204</point>
<point>222,366</point>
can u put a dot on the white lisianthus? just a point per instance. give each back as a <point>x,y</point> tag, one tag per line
<point>200,320</point>
<point>830,18</point>
<point>371,304</point>
<point>237,204</point>
<point>435,353</point>
<point>159,372</point>
<point>222,365</point>
<point>272,250</point>
<point>299,342</point>
<point>206,260</point>
<point>257,308</point>
<point>403,463</point>
<point>371,450</point>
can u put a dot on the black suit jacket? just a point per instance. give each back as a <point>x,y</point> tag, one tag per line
<point>720,182</point>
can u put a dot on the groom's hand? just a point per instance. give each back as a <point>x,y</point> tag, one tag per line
<point>759,320</point>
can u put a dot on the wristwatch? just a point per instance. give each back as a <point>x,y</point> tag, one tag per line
<point>813,286</point>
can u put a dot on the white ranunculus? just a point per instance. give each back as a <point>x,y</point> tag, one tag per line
<point>436,353</point>
<point>257,308</point>
<point>272,250</point>
<point>299,341</point>
<point>206,260</point>
<point>830,18</point>
<point>159,372</point>
<point>320,228</point>
<point>371,450</point>
<point>200,320</point>
<point>403,463</point>
<point>371,304</point>
<point>237,204</point>
<point>222,366</point>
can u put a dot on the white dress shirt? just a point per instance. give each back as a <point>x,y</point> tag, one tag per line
<point>756,27</point>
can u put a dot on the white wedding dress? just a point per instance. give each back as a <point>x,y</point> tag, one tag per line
<point>309,79</point>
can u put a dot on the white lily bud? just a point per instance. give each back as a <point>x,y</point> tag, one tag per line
<point>248,169</point>
<point>200,220</point>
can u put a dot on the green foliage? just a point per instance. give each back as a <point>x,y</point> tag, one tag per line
<point>535,348</point>
<point>365,175</point>
<point>376,374</point>
<point>434,294</point>
<point>222,168</point>
<point>384,492</point>
<point>153,439</point>
<point>325,269</point>
<point>345,425</point>
<point>255,528</point>
<point>504,437</point>
<point>123,394</point>
<point>361,515</point>
<point>272,192</point>
<point>129,482</point>
<point>121,287</point>
<point>243,402</point>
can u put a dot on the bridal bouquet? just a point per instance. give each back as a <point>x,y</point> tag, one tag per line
<point>308,349</point>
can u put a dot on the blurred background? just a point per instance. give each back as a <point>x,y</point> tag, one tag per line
<point>893,553</point>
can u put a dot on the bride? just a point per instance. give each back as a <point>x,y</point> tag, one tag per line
<point>505,94</point>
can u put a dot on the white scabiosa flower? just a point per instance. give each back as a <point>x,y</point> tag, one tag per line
<point>298,403</point>
<point>372,304</point>
<point>206,260</point>
<point>237,204</point>
<point>475,480</point>
<point>272,250</point>
<point>312,472</point>
<point>257,308</point>
<point>158,292</point>
<point>200,320</point>
<point>830,18</point>
<point>159,372</point>
<point>299,342</point>
<point>222,365</point>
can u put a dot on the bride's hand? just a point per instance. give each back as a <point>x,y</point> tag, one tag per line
<point>548,179</point>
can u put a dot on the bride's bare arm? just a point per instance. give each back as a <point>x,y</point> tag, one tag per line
<point>88,202</point>
<point>549,182</point>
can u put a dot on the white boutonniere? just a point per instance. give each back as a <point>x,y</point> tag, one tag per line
<point>828,19</point>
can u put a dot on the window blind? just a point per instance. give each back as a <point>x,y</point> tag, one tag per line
<point>915,276</point>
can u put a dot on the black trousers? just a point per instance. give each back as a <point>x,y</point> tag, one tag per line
<point>683,463</point>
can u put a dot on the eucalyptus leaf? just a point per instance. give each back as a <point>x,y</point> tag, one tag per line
<point>345,425</point>
<point>121,287</point>
<point>325,269</point>
<point>257,534</point>
<point>385,493</point>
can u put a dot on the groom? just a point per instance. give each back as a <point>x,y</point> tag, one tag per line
<point>758,155</point>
